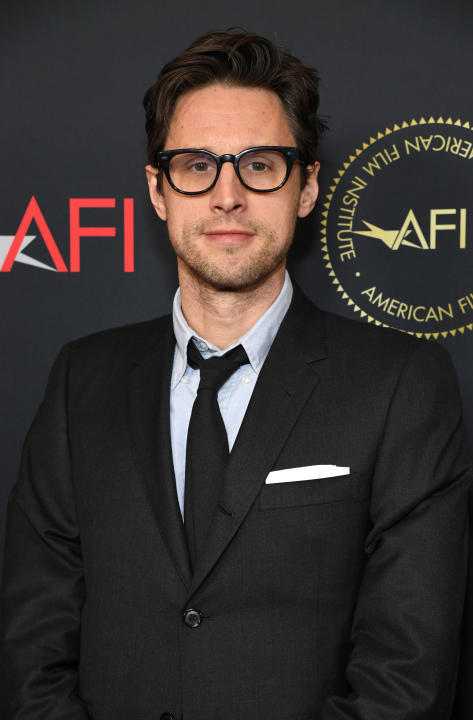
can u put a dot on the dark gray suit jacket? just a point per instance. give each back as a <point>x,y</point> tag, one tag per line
<point>334,598</point>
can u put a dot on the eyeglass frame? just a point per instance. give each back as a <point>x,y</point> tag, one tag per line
<point>163,158</point>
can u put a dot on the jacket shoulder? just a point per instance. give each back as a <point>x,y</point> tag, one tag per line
<point>123,343</point>
<point>384,349</point>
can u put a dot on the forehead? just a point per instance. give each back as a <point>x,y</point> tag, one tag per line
<point>225,118</point>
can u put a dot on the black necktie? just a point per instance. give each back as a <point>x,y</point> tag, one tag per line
<point>207,444</point>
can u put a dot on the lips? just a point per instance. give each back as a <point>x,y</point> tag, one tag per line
<point>228,235</point>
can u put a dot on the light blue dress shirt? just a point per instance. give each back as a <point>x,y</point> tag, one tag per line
<point>235,393</point>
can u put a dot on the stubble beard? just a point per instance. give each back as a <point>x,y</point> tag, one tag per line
<point>230,272</point>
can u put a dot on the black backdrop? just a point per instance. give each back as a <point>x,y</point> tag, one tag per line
<point>72,79</point>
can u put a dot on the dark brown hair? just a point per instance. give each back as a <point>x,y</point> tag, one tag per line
<point>239,58</point>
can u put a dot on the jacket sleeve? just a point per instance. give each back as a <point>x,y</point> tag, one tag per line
<point>43,584</point>
<point>407,622</point>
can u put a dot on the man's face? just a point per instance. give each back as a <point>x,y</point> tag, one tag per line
<point>231,238</point>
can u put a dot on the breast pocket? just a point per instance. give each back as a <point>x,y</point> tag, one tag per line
<point>309,492</point>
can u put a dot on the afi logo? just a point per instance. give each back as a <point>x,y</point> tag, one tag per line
<point>411,227</point>
<point>76,232</point>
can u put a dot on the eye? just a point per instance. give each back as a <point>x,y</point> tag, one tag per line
<point>258,162</point>
<point>197,163</point>
<point>200,166</point>
<point>257,166</point>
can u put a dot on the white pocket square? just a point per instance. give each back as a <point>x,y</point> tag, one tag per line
<point>309,472</point>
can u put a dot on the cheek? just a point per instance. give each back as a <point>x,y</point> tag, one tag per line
<point>178,214</point>
<point>282,217</point>
<point>183,210</point>
<point>284,203</point>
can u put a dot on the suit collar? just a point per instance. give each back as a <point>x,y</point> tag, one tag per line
<point>148,397</point>
<point>287,380</point>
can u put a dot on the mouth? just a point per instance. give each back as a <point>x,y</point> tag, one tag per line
<point>227,236</point>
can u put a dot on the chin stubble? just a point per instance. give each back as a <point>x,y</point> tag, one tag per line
<point>222,275</point>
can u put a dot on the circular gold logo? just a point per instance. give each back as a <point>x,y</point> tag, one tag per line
<point>396,228</point>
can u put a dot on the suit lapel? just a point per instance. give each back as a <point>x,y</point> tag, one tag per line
<point>285,383</point>
<point>149,389</point>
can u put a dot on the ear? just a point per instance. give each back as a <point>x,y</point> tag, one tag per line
<point>157,197</point>
<point>310,191</point>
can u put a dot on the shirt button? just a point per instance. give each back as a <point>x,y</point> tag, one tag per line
<point>203,345</point>
<point>184,379</point>
<point>245,379</point>
<point>192,618</point>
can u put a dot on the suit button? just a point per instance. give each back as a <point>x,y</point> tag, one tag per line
<point>192,618</point>
<point>167,716</point>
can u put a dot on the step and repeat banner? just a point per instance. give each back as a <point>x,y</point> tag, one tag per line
<point>390,243</point>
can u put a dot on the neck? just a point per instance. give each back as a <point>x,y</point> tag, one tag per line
<point>224,316</point>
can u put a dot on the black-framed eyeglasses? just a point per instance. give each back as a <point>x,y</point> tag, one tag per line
<point>192,171</point>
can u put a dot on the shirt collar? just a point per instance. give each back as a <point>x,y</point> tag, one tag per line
<point>256,341</point>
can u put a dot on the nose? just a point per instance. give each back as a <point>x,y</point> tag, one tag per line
<point>228,194</point>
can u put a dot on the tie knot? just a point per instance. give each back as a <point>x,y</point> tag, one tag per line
<point>216,370</point>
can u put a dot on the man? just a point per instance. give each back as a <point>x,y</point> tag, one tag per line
<point>315,572</point>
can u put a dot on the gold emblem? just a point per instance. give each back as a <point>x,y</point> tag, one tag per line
<point>395,228</point>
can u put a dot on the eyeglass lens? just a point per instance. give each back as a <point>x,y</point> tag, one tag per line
<point>260,170</point>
